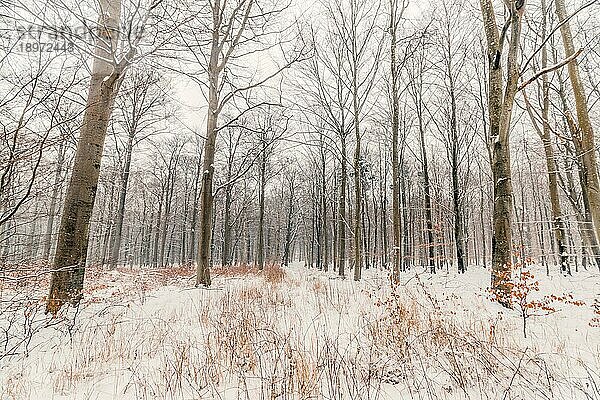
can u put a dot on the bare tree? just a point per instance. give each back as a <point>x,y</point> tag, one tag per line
<point>235,31</point>
<point>397,9</point>
<point>138,107</point>
<point>591,182</point>
<point>500,105</point>
<point>108,69</point>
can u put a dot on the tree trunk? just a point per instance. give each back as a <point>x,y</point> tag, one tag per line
<point>55,193</point>
<point>342,209</point>
<point>66,282</point>
<point>588,149</point>
<point>500,112</point>
<point>260,247</point>
<point>459,241</point>
<point>396,218</point>
<point>208,168</point>
<point>426,186</point>
<point>324,226</point>
<point>357,185</point>
<point>118,227</point>
<point>288,226</point>
<point>551,164</point>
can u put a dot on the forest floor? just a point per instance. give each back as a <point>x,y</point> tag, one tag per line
<point>296,333</point>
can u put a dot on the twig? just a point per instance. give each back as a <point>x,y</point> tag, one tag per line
<point>550,69</point>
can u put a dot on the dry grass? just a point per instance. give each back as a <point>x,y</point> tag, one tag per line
<point>274,335</point>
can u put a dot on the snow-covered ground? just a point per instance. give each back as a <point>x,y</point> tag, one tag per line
<point>301,334</point>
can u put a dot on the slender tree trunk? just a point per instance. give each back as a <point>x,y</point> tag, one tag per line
<point>459,240</point>
<point>194,220</point>
<point>588,148</point>
<point>118,227</point>
<point>288,226</point>
<point>55,193</point>
<point>426,187</point>
<point>396,218</point>
<point>324,226</point>
<point>260,247</point>
<point>208,169</point>
<point>342,209</point>
<point>551,164</point>
<point>357,184</point>
<point>226,250</point>
<point>585,218</point>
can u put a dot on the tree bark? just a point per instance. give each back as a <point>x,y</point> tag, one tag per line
<point>396,218</point>
<point>66,282</point>
<point>500,104</point>
<point>208,167</point>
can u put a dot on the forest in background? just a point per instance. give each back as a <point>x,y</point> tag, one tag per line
<point>346,135</point>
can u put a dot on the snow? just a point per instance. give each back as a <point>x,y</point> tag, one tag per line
<point>308,334</point>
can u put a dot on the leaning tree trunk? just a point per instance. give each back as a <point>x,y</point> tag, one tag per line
<point>588,154</point>
<point>66,282</point>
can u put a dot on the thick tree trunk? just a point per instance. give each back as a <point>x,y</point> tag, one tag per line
<point>500,112</point>
<point>66,283</point>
